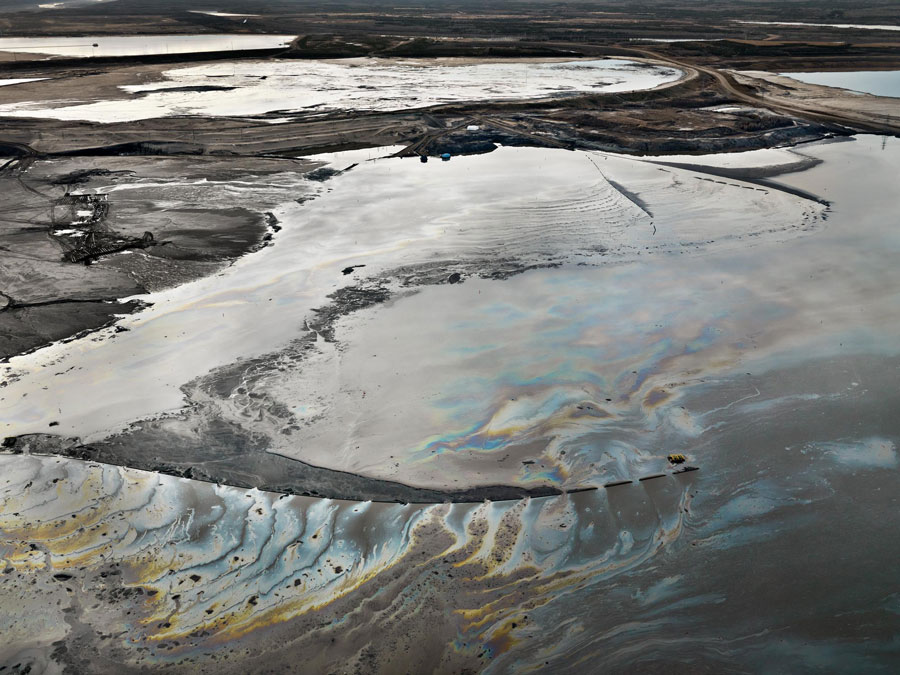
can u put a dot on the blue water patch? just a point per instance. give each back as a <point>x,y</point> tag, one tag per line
<point>877,82</point>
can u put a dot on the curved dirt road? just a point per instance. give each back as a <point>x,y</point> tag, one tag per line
<point>741,92</point>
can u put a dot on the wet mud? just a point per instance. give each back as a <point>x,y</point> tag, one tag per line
<point>67,222</point>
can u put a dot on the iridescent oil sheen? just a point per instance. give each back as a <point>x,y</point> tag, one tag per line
<point>769,360</point>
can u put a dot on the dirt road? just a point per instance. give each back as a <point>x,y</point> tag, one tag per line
<point>854,120</point>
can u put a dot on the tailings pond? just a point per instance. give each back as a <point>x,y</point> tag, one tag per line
<point>528,317</point>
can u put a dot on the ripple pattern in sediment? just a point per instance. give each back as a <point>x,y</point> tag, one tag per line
<point>107,568</point>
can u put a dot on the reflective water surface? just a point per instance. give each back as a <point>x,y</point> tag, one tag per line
<point>138,45</point>
<point>757,332</point>
<point>877,82</point>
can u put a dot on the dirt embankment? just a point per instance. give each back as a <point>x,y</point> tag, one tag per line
<point>786,91</point>
<point>784,55</point>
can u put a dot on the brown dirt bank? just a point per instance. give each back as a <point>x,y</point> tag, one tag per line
<point>781,55</point>
<point>787,91</point>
